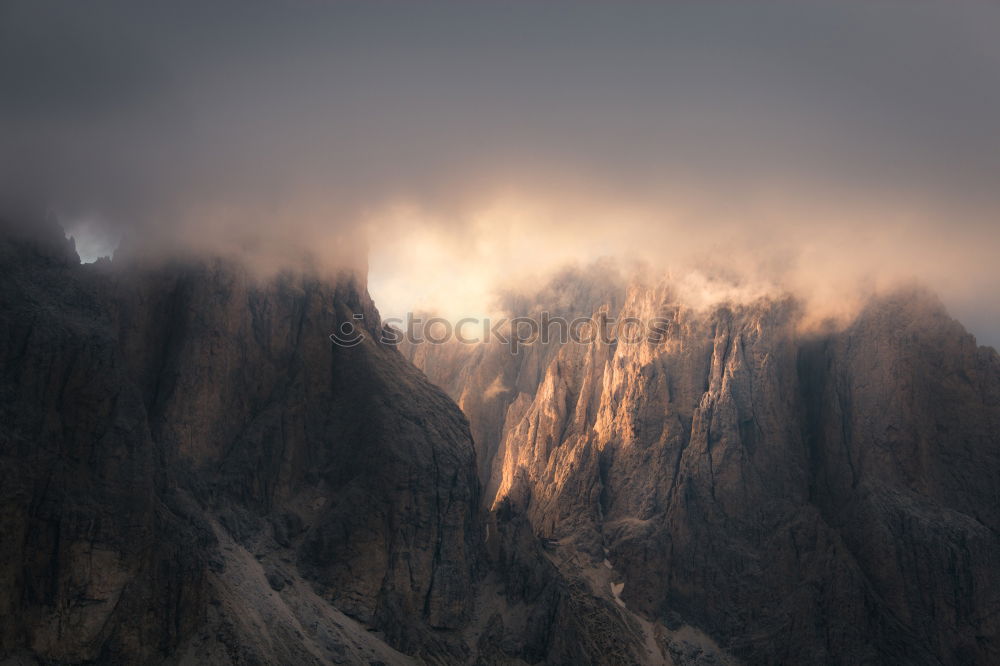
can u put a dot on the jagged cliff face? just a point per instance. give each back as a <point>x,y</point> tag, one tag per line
<point>194,473</point>
<point>493,386</point>
<point>802,498</point>
<point>192,470</point>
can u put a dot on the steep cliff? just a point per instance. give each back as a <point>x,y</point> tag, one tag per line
<point>90,551</point>
<point>193,471</point>
<point>800,497</point>
<point>494,386</point>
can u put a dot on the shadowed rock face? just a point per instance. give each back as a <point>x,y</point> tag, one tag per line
<point>90,553</point>
<point>159,425</point>
<point>801,498</point>
<point>194,473</point>
<point>368,469</point>
<point>903,428</point>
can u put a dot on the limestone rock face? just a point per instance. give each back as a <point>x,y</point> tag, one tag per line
<point>493,386</point>
<point>370,466</point>
<point>799,497</point>
<point>904,437</point>
<point>192,471</point>
<point>93,565</point>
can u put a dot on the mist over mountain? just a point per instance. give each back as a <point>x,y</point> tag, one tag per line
<point>195,473</point>
<point>801,496</point>
<point>457,149</point>
<point>215,219</point>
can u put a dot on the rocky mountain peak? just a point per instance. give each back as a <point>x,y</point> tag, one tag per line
<point>742,461</point>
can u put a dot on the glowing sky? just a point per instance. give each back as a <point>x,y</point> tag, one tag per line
<point>465,145</point>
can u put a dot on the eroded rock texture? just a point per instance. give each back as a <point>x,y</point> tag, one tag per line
<point>192,471</point>
<point>94,565</point>
<point>799,497</point>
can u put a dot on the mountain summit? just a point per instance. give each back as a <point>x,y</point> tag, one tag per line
<point>194,472</point>
<point>801,497</point>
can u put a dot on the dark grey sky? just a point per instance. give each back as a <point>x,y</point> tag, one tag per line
<point>850,140</point>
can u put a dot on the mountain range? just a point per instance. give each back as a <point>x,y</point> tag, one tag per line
<point>193,472</point>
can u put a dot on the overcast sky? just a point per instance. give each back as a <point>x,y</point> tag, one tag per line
<point>820,146</point>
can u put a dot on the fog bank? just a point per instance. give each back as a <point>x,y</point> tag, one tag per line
<point>828,150</point>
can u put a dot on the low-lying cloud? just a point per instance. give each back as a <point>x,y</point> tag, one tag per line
<point>457,148</point>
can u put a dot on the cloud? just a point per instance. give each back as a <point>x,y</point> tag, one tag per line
<point>475,145</point>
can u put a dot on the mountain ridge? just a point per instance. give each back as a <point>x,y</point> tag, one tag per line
<point>742,463</point>
<point>194,472</point>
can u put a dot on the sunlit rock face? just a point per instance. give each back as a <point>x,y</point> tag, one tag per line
<point>493,386</point>
<point>194,473</point>
<point>800,497</point>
